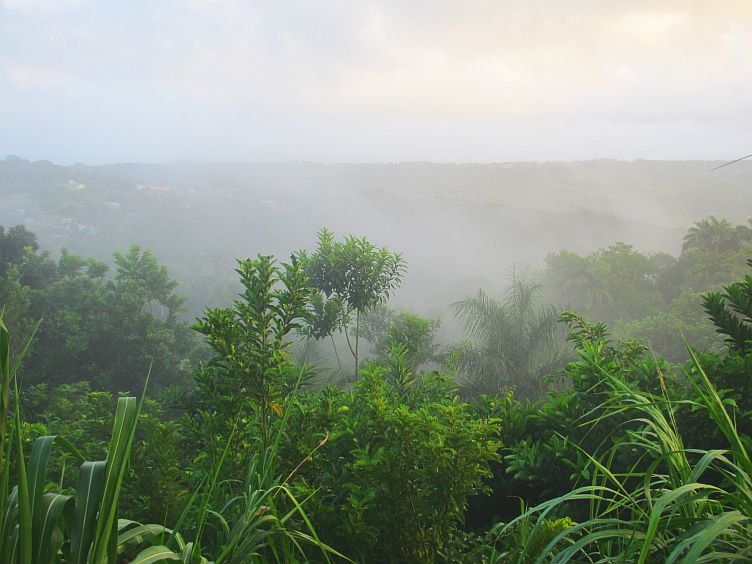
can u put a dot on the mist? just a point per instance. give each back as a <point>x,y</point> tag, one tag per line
<point>459,227</point>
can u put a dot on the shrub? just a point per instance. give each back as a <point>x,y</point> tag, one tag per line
<point>396,465</point>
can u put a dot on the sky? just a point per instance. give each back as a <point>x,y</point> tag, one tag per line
<point>364,81</point>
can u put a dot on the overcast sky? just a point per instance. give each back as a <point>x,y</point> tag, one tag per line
<point>156,80</point>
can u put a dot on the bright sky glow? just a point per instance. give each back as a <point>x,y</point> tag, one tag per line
<point>159,80</point>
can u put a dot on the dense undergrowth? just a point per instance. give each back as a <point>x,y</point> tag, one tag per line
<point>600,450</point>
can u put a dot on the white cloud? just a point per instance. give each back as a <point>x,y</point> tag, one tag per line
<point>330,68</point>
<point>40,6</point>
<point>40,78</point>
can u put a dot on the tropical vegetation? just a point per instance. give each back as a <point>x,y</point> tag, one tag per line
<point>599,410</point>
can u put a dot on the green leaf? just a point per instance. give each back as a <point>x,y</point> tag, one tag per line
<point>140,534</point>
<point>155,554</point>
<point>89,490</point>
<point>53,507</point>
<point>40,454</point>
<point>118,455</point>
<point>24,503</point>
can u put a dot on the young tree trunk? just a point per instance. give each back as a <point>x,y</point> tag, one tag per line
<point>339,363</point>
<point>357,339</point>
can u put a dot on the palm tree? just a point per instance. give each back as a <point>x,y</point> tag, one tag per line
<point>744,233</point>
<point>516,343</point>
<point>713,235</point>
<point>576,282</point>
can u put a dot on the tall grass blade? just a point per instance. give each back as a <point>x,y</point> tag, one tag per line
<point>118,456</point>
<point>89,491</point>
<point>42,526</point>
<point>49,537</point>
<point>155,554</point>
<point>24,504</point>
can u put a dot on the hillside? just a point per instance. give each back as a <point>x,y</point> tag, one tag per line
<point>460,226</point>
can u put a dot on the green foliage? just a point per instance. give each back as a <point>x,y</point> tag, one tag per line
<point>139,275</point>
<point>251,370</point>
<point>355,270</point>
<point>106,331</point>
<point>157,458</point>
<point>15,299</point>
<point>14,246</point>
<point>518,344</point>
<point>354,276</point>
<point>39,526</point>
<point>665,330</point>
<point>672,510</point>
<point>253,524</point>
<point>653,485</point>
<point>712,235</point>
<point>654,297</point>
<point>394,468</point>
<point>731,312</point>
<point>627,458</point>
<point>608,284</point>
<point>386,329</point>
<point>545,441</point>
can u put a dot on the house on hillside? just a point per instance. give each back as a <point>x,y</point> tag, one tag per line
<point>74,186</point>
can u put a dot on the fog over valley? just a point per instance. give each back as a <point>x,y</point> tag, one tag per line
<point>460,227</point>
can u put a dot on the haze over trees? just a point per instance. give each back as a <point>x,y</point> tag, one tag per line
<point>459,227</point>
<point>415,452</point>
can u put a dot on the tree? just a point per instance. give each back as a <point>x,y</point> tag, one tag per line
<point>14,245</point>
<point>572,276</point>
<point>517,343</point>
<point>250,368</point>
<point>140,275</point>
<point>104,330</point>
<point>384,328</point>
<point>712,235</point>
<point>744,233</point>
<point>617,282</point>
<point>354,276</point>
<point>665,331</point>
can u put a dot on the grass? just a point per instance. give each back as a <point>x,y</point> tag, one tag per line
<point>40,527</point>
<point>673,505</point>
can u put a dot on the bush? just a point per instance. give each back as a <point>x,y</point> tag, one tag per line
<point>395,466</point>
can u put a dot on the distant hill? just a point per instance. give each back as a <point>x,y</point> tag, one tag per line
<point>460,226</point>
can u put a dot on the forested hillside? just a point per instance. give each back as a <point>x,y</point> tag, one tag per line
<point>469,222</point>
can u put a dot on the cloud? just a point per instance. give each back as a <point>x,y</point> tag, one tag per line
<point>29,79</point>
<point>235,71</point>
<point>45,7</point>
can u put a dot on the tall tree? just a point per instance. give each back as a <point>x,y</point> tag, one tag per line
<point>609,284</point>
<point>100,329</point>
<point>354,276</point>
